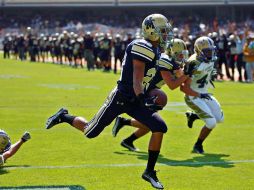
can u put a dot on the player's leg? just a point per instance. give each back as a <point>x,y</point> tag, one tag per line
<point>128,142</point>
<point>200,107</point>
<point>142,129</point>
<point>115,64</point>
<point>120,122</point>
<point>112,107</point>
<point>239,65</point>
<point>107,113</point>
<point>191,117</point>
<point>232,66</point>
<point>158,127</point>
<point>216,110</point>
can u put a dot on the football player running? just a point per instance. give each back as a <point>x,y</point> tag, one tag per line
<point>128,97</point>
<point>205,106</point>
<point>7,150</point>
<point>168,72</point>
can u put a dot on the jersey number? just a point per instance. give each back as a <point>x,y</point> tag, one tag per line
<point>147,79</point>
<point>202,81</point>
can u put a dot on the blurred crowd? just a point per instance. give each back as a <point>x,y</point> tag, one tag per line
<point>75,44</point>
<point>93,51</point>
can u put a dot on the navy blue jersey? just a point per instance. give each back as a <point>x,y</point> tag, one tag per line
<point>142,50</point>
<point>165,63</point>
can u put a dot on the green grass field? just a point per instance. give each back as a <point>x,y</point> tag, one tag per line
<point>62,156</point>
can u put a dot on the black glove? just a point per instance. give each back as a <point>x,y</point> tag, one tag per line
<point>26,136</point>
<point>188,69</point>
<point>205,96</point>
<point>214,74</point>
<point>148,102</point>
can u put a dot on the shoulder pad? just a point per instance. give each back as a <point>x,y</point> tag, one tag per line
<point>143,41</point>
<point>165,62</point>
<point>143,48</point>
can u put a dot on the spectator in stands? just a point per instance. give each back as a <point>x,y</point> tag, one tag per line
<point>222,46</point>
<point>249,58</point>
<point>240,62</point>
<point>233,53</point>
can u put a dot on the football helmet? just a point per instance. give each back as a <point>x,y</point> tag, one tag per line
<point>5,142</point>
<point>156,27</point>
<point>205,49</point>
<point>178,51</point>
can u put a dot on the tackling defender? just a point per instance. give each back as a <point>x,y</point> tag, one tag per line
<point>7,150</point>
<point>201,65</point>
<point>168,72</point>
<point>128,97</point>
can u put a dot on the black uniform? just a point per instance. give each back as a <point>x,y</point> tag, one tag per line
<point>123,98</point>
<point>165,63</point>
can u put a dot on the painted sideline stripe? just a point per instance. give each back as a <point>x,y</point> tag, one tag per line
<point>131,165</point>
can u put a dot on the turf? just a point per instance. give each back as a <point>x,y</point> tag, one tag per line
<point>62,156</point>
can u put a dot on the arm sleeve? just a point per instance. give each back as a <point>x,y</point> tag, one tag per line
<point>164,65</point>
<point>142,52</point>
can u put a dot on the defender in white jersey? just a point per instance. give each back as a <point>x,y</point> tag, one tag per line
<point>205,106</point>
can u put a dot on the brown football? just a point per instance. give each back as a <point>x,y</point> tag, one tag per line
<point>162,97</point>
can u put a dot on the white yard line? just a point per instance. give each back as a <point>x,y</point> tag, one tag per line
<point>131,165</point>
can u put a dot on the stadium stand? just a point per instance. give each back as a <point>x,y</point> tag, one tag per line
<point>114,3</point>
<point>36,3</point>
<point>171,2</point>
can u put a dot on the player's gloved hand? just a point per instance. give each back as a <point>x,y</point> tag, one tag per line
<point>205,96</point>
<point>188,69</point>
<point>214,74</point>
<point>26,136</point>
<point>148,102</point>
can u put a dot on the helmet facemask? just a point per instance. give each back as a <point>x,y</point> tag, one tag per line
<point>208,54</point>
<point>156,28</point>
<point>178,51</point>
<point>181,57</point>
<point>165,35</point>
<point>205,49</point>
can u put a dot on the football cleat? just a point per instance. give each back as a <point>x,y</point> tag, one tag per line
<point>129,146</point>
<point>198,149</point>
<point>117,126</point>
<point>152,178</point>
<point>56,118</point>
<point>190,119</point>
<point>26,136</point>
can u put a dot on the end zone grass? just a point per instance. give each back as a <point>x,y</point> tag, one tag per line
<point>61,156</point>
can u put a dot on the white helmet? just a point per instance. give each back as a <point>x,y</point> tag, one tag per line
<point>205,49</point>
<point>5,142</point>
<point>156,27</point>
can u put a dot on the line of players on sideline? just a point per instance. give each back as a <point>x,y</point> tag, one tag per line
<point>96,50</point>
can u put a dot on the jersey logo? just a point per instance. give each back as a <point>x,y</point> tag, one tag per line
<point>149,23</point>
